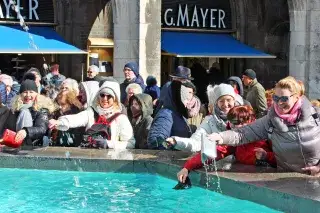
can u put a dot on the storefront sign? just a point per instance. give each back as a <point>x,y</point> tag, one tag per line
<point>196,14</point>
<point>31,10</point>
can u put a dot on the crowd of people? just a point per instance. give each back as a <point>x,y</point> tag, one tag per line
<point>276,128</point>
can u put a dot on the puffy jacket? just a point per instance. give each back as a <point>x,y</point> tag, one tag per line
<point>123,86</point>
<point>6,98</point>
<point>121,129</point>
<point>169,121</point>
<point>257,97</point>
<point>294,146</point>
<point>37,131</point>
<point>209,125</point>
<point>142,126</point>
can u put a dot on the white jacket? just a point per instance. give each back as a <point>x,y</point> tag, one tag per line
<point>209,125</point>
<point>121,130</point>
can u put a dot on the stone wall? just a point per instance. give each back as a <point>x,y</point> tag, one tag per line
<point>265,26</point>
<point>305,44</point>
<point>77,20</point>
<point>137,25</point>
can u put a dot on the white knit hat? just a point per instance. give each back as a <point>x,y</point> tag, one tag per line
<point>217,91</point>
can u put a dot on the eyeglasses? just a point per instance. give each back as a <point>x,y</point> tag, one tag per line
<point>105,95</point>
<point>89,72</point>
<point>276,98</point>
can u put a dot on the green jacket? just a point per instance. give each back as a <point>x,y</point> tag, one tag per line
<point>256,96</point>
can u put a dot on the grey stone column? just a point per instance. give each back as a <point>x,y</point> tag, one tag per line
<point>304,62</point>
<point>137,30</point>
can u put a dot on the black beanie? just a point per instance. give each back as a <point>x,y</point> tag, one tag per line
<point>28,85</point>
<point>250,73</point>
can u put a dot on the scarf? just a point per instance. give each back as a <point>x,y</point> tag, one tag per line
<point>292,116</point>
<point>220,114</point>
<point>193,106</point>
<point>106,112</point>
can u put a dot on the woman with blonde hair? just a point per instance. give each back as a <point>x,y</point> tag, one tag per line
<point>106,126</point>
<point>29,114</point>
<point>68,105</point>
<point>293,126</point>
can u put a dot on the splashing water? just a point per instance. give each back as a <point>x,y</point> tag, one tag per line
<point>67,154</point>
<point>217,175</point>
<point>25,27</point>
<point>76,181</point>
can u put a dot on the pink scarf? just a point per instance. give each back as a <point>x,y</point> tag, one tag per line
<point>292,116</point>
<point>193,106</point>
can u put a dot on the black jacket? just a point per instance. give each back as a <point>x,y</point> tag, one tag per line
<point>37,131</point>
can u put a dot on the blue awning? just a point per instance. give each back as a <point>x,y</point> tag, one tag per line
<point>38,40</point>
<point>191,44</point>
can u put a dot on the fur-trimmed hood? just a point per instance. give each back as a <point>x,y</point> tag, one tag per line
<point>41,102</point>
<point>115,87</point>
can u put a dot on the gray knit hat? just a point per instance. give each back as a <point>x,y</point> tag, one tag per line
<point>217,91</point>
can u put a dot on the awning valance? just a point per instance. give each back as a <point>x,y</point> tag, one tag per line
<point>100,42</point>
<point>38,40</point>
<point>192,44</point>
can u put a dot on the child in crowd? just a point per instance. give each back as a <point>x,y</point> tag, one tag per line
<point>257,153</point>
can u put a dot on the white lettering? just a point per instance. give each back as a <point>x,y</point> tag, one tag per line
<point>32,10</point>
<point>19,9</point>
<point>222,15</point>
<point>165,17</point>
<point>7,4</point>
<point>204,17</point>
<point>183,17</point>
<point>1,13</point>
<point>195,17</point>
<point>212,18</point>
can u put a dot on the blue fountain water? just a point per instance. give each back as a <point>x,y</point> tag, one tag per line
<point>61,191</point>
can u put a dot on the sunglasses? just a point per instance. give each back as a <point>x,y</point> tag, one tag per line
<point>276,98</point>
<point>89,72</point>
<point>105,95</point>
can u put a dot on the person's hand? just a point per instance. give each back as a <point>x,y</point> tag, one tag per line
<point>261,154</point>
<point>20,136</point>
<point>171,142</point>
<point>312,170</point>
<point>182,175</point>
<point>53,123</point>
<point>215,137</point>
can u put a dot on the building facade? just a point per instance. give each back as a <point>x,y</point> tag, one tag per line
<point>287,29</point>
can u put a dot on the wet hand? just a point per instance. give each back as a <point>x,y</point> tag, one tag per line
<point>20,136</point>
<point>215,137</point>
<point>261,154</point>
<point>312,170</point>
<point>53,123</point>
<point>182,175</point>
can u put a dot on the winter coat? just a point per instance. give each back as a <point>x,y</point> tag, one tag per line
<point>70,138</point>
<point>54,80</point>
<point>256,96</point>
<point>91,88</point>
<point>209,125</point>
<point>295,146</point>
<point>244,154</point>
<point>142,126</point>
<point>40,113</point>
<point>152,89</point>
<point>169,121</point>
<point>121,129</point>
<point>123,86</point>
<point>6,98</point>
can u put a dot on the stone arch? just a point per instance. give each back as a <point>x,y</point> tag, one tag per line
<point>77,20</point>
